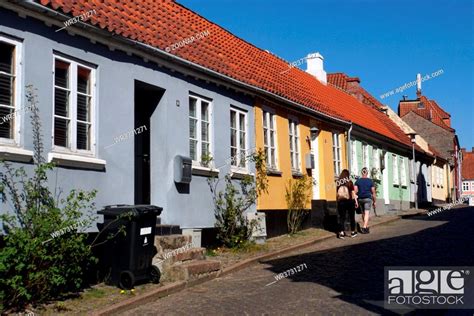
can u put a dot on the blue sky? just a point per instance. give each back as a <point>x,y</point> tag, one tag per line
<point>385,43</point>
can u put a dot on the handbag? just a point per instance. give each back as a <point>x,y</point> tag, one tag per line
<point>358,210</point>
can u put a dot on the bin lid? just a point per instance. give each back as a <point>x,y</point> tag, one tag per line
<point>135,210</point>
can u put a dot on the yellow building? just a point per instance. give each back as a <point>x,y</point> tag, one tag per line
<point>296,144</point>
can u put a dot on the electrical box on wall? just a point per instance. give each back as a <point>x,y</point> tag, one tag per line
<point>309,161</point>
<point>182,169</point>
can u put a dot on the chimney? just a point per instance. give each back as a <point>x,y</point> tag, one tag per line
<point>315,67</point>
<point>418,85</point>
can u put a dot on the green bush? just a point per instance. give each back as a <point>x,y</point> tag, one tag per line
<point>34,267</point>
<point>233,230</point>
<point>297,196</point>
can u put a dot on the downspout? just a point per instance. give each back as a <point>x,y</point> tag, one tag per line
<point>349,149</point>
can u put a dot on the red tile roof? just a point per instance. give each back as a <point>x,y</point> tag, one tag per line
<point>164,22</point>
<point>352,86</point>
<point>467,172</point>
<point>431,111</point>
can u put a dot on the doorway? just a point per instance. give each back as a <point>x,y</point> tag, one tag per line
<point>146,100</point>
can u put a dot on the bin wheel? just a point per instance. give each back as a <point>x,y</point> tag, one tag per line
<point>155,274</point>
<point>127,280</point>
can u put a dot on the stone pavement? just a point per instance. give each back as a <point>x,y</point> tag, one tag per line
<point>342,276</point>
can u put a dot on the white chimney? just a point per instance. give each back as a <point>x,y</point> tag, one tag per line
<point>418,85</point>
<point>315,67</point>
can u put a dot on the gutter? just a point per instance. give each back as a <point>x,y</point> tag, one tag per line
<point>161,53</point>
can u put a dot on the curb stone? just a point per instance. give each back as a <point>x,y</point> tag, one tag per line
<point>181,285</point>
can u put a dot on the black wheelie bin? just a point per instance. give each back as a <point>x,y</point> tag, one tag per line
<point>128,256</point>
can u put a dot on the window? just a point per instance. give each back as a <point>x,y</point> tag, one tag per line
<point>269,139</point>
<point>336,153</point>
<point>403,171</point>
<point>354,158</point>
<point>73,105</point>
<point>238,138</point>
<point>465,186</point>
<point>396,180</point>
<point>294,144</point>
<point>10,88</point>
<point>375,159</point>
<point>199,129</point>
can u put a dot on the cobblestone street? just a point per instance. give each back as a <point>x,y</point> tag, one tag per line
<point>342,276</point>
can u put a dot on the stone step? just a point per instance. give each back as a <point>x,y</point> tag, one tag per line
<point>169,257</point>
<point>192,269</point>
<point>171,242</point>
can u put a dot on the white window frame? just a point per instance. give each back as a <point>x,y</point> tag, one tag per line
<point>403,171</point>
<point>18,91</point>
<point>465,186</point>
<point>199,100</point>
<point>240,154</point>
<point>294,139</point>
<point>396,179</point>
<point>269,114</point>
<point>72,146</point>
<point>337,151</point>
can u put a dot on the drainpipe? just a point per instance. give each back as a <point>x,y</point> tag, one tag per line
<point>349,149</point>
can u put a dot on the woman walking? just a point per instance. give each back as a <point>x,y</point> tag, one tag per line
<point>346,203</point>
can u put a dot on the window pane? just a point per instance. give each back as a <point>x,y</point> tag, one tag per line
<point>192,149</point>
<point>192,107</point>
<point>205,131</point>
<point>61,102</point>
<point>233,123</point>
<point>205,149</point>
<point>271,120</point>
<point>6,124</point>
<point>83,136</point>
<point>6,90</point>
<point>83,108</point>
<point>242,140</point>
<point>61,127</point>
<point>242,122</point>
<point>233,155</point>
<point>233,138</point>
<point>204,111</point>
<point>61,74</point>
<point>83,80</point>
<point>6,57</point>
<point>192,128</point>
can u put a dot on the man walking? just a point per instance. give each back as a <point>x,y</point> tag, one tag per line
<point>365,192</point>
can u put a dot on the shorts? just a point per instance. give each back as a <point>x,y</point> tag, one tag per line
<point>366,204</point>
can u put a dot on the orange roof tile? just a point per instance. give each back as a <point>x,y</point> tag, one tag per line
<point>430,111</point>
<point>164,22</point>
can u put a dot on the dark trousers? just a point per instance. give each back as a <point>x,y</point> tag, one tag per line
<point>346,207</point>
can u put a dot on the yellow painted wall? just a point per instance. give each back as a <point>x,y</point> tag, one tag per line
<point>275,199</point>
<point>326,161</point>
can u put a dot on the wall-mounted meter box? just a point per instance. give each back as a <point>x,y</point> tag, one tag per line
<point>182,169</point>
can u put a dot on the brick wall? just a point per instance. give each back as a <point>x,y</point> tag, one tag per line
<point>436,136</point>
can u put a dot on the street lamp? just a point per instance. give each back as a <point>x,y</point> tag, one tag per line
<point>413,141</point>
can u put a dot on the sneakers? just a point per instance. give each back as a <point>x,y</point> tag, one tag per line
<point>341,236</point>
<point>364,230</point>
<point>353,234</point>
